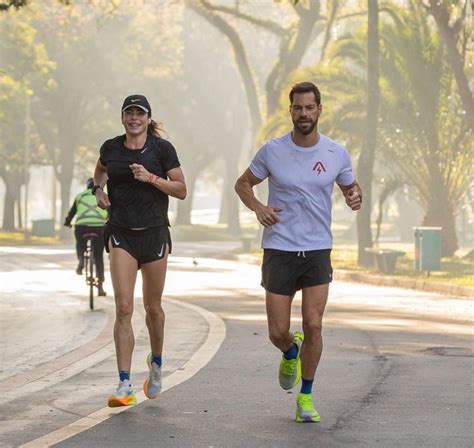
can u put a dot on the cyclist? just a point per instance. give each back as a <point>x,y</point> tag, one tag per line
<point>89,219</point>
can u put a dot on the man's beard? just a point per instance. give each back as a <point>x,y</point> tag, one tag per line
<point>305,130</point>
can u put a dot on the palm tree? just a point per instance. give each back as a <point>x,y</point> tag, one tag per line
<point>428,139</point>
<point>423,137</point>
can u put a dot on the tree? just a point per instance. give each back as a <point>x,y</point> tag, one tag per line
<point>94,57</point>
<point>425,140</point>
<point>456,33</point>
<point>293,39</point>
<point>428,139</point>
<point>365,166</point>
<point>17,4</point>
<point>25,63</point>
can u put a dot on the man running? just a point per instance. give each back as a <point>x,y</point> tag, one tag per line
<point>302,167</point>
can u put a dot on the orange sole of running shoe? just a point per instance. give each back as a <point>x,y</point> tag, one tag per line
<point>145,383</point>
<point>115,402</point>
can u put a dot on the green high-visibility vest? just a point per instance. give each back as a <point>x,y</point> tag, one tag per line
<point>88,213</point>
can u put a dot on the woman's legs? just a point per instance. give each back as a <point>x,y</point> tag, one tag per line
<point>154,275</point>
<point>123,270</point>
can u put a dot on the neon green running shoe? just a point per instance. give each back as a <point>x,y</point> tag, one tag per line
<point>289,373</point>
<point>305,411</point>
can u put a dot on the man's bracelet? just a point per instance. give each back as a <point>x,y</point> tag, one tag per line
<point>95,188</point>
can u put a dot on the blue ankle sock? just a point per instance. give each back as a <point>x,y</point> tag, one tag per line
<point>306,386</point>
<point>156,359</point>
<point>292,352</point>
<point>124,375</point>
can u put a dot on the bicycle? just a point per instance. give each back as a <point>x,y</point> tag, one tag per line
<point>89,266</point>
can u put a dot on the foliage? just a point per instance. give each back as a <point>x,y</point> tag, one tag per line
<point>422,133</point>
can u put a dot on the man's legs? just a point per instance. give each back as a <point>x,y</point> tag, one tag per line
<point>80,247</point>
<point>314,303</point>
<point>123,270</point>
<point>279,321</point>
<point>154,275</point>
<point>98,244</point>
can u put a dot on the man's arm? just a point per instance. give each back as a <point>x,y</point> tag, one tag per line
<point>353,195</point>
<point>267,216</point>
<point>70,215</point>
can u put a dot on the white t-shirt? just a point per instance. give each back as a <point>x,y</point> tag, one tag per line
<point>301,181</point>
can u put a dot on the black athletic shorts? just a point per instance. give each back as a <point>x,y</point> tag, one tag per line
<point>144,245</point>
<point>286,272</point>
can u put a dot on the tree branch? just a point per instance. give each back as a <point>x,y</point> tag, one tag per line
<point>330,23</point>
<point>240,55</point>
<point>266,24</point>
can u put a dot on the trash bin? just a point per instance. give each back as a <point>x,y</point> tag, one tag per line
<point>43,227</point>
<point>427,248</point>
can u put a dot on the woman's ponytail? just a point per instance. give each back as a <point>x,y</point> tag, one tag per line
<point>155,128</point>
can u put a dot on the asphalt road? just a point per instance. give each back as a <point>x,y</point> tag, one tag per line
<point>396,371</point>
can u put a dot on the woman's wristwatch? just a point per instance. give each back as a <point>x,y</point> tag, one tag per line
<point>95,188</point>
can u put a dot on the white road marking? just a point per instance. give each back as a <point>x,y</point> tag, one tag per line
<point>199,360</point>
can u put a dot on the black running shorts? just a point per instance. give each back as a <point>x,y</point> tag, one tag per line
<point>287,272</point>
<point>145,245</point>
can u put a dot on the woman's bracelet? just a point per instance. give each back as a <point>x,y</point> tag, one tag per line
<point>152,178</point>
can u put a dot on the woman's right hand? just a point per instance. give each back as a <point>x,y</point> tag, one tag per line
<point>102,199</point>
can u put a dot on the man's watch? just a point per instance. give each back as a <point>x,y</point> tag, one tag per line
<point>95,188</point>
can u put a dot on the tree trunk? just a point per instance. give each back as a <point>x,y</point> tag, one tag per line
<point>293,46</point>
<point>18,211</point>
<point>68,138</point>
<point>241,60</point>
<point>9,209</point>
<point>440,214</point>
<point>13,180</point>
<point>183,214</point>
<point>230,198</point>
<point>455,59</point>
<point>367,155</point>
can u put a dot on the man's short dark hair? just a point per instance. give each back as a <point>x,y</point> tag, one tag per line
<point>305,87</point>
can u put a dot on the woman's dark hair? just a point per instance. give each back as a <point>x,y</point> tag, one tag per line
<point>155,128</point>
<point>305,87</point>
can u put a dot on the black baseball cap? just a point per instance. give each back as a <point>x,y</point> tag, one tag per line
<point>137,101</point>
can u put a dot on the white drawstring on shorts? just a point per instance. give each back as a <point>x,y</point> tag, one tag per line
<point>302,253</point>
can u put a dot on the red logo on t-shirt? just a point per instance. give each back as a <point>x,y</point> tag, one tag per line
<point>319,167</point>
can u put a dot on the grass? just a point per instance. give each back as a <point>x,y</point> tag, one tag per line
<point>455,269</point>
<point>22,238</point>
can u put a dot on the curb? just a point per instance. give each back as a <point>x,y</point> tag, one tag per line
<point>416,284</point>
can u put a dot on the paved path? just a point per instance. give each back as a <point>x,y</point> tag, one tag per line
<point>396,369</point>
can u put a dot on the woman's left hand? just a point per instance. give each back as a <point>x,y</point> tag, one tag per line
<point>140,173</point>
